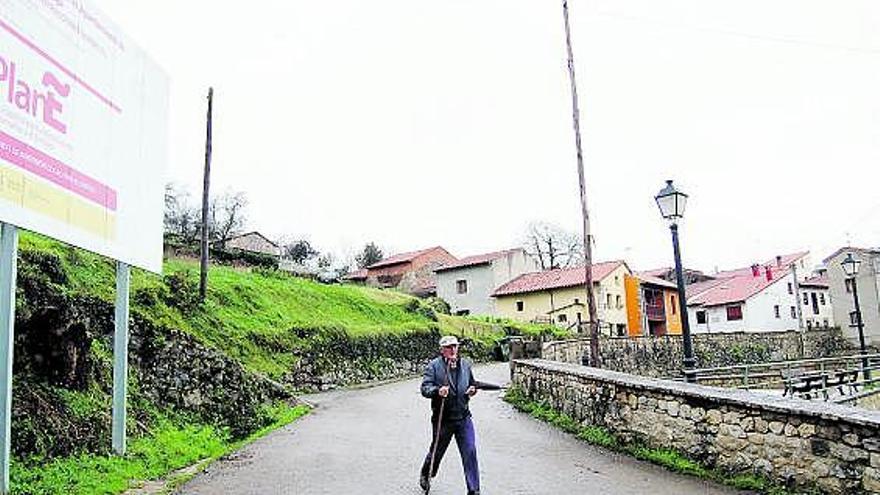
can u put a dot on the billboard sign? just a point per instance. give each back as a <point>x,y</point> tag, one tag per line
<point>82,131</point>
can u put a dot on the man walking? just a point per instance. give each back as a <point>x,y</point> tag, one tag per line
<point>449,383</point>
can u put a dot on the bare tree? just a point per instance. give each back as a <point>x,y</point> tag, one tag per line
<point>181,215</point>
<point>227,215</point>
<point>553,246</point>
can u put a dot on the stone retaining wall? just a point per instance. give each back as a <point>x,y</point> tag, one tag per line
<point>662,356</point>
<point>799,443</point>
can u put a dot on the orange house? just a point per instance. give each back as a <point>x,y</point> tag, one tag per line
<point>651,306</point>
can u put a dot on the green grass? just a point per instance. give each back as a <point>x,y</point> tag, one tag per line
<point>668,458</point>
<point>249,314</point>
<point>168,447</point>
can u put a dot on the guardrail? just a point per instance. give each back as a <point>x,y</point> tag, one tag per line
<point>805,378</point>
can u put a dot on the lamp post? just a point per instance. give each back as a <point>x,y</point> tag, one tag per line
<point>851,269</point>
<point>672,202</point>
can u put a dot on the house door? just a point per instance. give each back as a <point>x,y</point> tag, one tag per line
<point>815,303</point>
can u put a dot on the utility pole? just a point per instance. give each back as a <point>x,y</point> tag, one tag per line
<point>593,323</point>
<point>203,275</point>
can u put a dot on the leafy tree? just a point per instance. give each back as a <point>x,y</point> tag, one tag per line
<point>370,255</point>
<point>300,251</point>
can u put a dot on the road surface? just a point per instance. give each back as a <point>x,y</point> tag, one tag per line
<point>372,441</point>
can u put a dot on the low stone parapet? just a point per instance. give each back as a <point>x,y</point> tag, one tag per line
<point>799,443</point>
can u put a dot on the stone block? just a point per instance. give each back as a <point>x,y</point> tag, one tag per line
<point>871,480</point>
<point>851,439</point>
<point>756,438</point>
<point>777,427</point>
<point>806,430</point>
<point>847,453</point>
<point>761,425</point>
<point>747,424</point>
<point>713,417</point>
<point>791,431</point>
<point>875,460</point>
<point>672,408</point>
<point>732,418</point>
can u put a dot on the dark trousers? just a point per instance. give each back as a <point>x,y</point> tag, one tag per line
<point>466,439</point>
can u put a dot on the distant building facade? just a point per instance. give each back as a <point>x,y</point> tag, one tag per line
<point>760,298</point>
<point>652,306</point>
<point>559,296</point>
<point>253,242</point>
<point>411,272</point>
<point>868,284</point>
<point>467,284</point>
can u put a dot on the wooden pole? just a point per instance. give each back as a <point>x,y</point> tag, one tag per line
<point>203,274</point>
<point>593,322</point>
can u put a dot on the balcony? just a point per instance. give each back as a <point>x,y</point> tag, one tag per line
<point>655,312</point>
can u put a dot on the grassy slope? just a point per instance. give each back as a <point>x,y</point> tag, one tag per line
<point>249,314</point>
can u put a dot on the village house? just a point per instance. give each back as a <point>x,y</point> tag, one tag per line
<point>253,242</point>
<point>559,296</point>
<point>467,284</point>
<point>652,306</point>
<point>411,272</point>
<point>818,310</point>
<point>760,298</point>
<point>841,293</point>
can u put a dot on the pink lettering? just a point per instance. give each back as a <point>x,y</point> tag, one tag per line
<point>26,97</point>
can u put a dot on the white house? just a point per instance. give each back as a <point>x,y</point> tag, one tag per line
<point>868,284</point>
<point>817,309</point>
<point>467,284</point>
<point>760,298</point>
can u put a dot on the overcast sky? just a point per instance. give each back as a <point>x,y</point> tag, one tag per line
<point>415,123</point>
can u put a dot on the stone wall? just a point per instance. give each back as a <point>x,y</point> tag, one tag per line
<point>798,443</point>
<point>662,356</point>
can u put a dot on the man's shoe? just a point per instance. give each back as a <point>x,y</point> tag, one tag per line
<point>471,492</point>
<point>424,482</point>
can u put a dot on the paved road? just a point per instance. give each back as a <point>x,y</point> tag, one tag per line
<point>372,442</point>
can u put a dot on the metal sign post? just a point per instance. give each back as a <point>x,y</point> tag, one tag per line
<point>8,255</point>
<point>120,357</point>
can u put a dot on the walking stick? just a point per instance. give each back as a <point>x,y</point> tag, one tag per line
<point>437,435</point>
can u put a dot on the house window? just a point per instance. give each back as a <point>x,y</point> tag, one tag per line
<point>461,286</point>
<point>794,312</point>
<point>463,312</point>
<point>621,330</point>
<point>848,284</point>
<point>734,313</point>
<point>776,311</point>
<point>790,290</point>
<point>822,298</point>
<point>672,302</point>
<point>619,302</point>
<point>608,301</point>
<point>562,318</point>
<point>853,319</point>
<point>519,305</point>
<point>701,317</point>
<point>806,298</point>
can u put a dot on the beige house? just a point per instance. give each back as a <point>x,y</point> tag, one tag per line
<point>841,293</point>
<point>559,296</point>
<point>253,242</point>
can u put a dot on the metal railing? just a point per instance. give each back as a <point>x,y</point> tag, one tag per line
<point>831,379</point>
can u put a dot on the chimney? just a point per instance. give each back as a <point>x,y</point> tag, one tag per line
<point>769,272</point>
<point>778,261</point>
<point>756,271</point>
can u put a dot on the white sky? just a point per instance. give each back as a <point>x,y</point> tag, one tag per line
<point>414,123</point>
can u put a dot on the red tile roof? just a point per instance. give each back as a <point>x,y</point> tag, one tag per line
<point>479,259</point>
<point>735,289</point>
<point>555,279</point>
<point>404,257</point>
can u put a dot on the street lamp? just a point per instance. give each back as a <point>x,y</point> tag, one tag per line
<point>850,266</point>
<point>672,202</point>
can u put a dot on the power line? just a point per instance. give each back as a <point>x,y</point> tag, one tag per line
<point>740,34</point>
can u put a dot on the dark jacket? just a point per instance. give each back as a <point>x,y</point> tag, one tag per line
<point>459,380</point>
